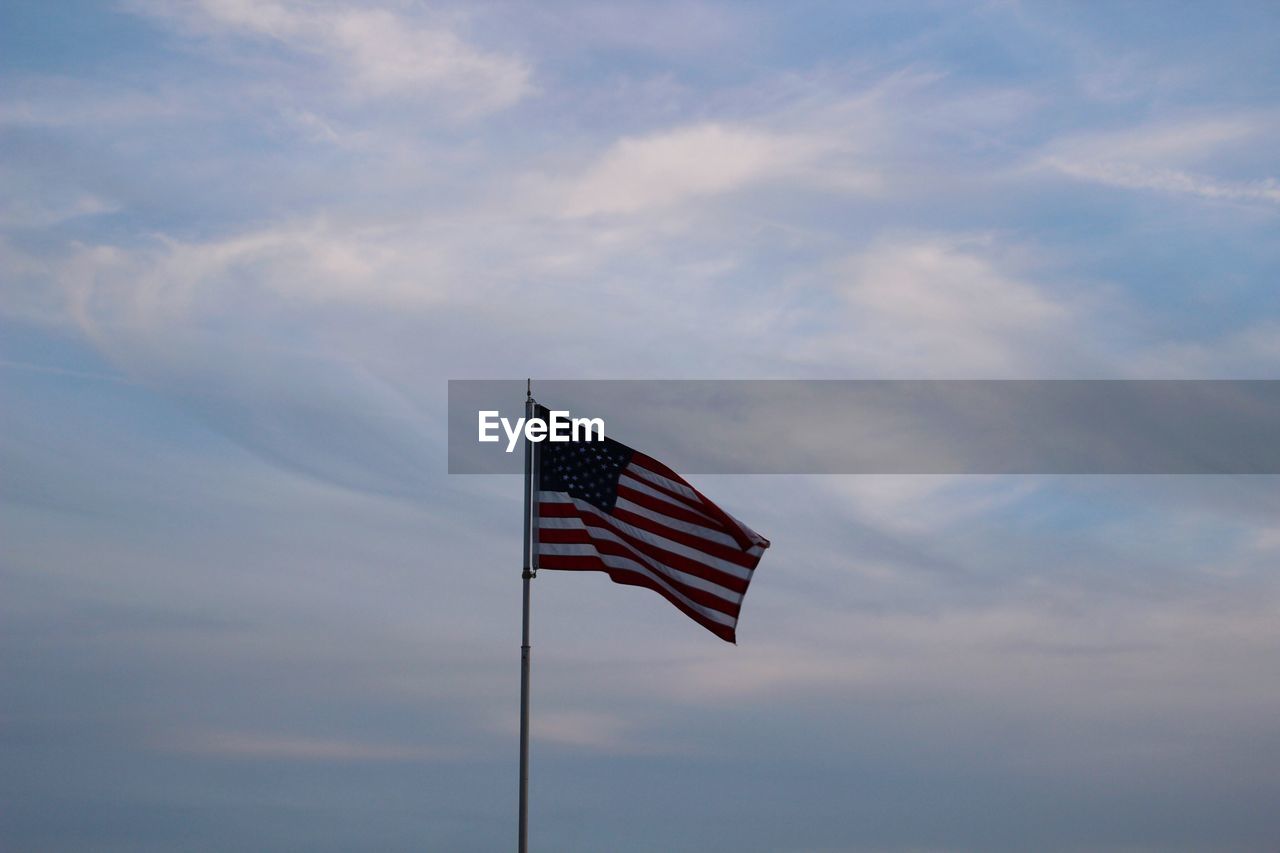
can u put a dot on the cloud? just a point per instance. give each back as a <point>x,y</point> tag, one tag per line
<point>1136,177</point>
<point>316,262</point>
<point>672,166</point>
<point>28,212</point>
<point>594,730</point>
<point>688,28</point>
<point>206,325</point>
<point>378,52</point>
<point>277,245</point>
<point>912,505</point>
<point>1161,157</point>
<point>1248,352</point>
<point>271,747</point>
<point>1024,642</point>
<point>946,307</point>
<point>70,102</point>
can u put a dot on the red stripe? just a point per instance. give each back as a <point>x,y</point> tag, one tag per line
<point>684,500</point>
<point>579,563</point>
<point>620,550</point>
<point>716,549</point>
<point>705,546</point>
<point>617,549</point>
<point>666,507</point>
<point>743,537</point>
<point>661,555</point>
<point>663,502</point>
<point>644,460</point>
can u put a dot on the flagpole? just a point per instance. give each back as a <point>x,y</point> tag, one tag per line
<point>530,567</point>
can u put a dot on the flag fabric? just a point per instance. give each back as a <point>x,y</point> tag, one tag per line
<point>602,506</point>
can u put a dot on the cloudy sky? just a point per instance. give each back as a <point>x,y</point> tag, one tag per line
<point>243,245</point>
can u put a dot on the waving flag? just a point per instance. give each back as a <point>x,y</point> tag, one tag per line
<point>602,506</point>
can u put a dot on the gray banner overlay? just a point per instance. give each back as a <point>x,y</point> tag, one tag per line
<point>900,426</point>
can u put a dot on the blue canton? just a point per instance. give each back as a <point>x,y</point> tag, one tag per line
<point>587,470</point>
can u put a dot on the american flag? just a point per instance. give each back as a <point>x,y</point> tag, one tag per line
<point>602,506</point>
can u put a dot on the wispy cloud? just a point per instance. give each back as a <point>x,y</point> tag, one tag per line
<point>313,262</point>
<point>23,207</point>
<point>1162,156</point>
<point>673,166</point>
<point>274,747</point>
<point>279,226</point>
<point>376,51</point>
<point>953,307</point>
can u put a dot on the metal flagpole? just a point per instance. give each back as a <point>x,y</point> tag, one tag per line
<point>530,569</point>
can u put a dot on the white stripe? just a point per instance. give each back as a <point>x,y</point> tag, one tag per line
<point>725,594</point>
<point>662,542</point>
<point>633,483</point>
<point>670,521</point>
<point>612,561</point>
<point>666,482</point>
<point>698,530</point>
<point>755,550</point>
<point>683,489</point>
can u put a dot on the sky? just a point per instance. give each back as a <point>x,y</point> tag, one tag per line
<point>244,245</point>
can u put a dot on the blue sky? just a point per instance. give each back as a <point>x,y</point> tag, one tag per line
<point>244,245</point>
